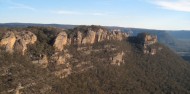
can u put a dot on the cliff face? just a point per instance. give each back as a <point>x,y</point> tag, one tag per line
<point>13,40</point>
<point>60,41</point>
<point>87,36</point>
<point>84,38</point>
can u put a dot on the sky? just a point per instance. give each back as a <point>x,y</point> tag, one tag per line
<point>150,14</point>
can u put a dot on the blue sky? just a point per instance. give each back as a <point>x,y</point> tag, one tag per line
<point>152,14</point>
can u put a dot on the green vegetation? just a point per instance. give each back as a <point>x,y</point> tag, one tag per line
<point>163,73</point>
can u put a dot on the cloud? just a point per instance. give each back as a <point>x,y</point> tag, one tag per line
<point>176,5</point>
<point>22,6</point>
<point>15,5</point>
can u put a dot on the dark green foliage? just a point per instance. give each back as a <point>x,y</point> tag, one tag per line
<point>1,35</point>
<point>84,28</point>
<point>45,40</point>
<point>17,69</point>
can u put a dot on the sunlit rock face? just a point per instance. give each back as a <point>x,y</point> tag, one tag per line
<point>18,41</point>
<point>89,35</point>
<point>8,41</point>
<point>60,41</point>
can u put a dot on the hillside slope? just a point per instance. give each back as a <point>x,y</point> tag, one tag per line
<point>105,67</point>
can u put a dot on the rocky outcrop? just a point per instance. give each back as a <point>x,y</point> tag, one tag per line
<point>79,38</point>
<point>18,40</point>
<point>8,41</point>
<point>43,61</point>
<point>23,39</point>
<point>117,35</point>
<point>60,41</point>
<point>27,36</point>
<point>60,59</point>
<point>87,35</point>
<point>147,39</point>
<point>117,59</point>
<point>148,42</point>
<point>89,38</point>
<point>19,87</point>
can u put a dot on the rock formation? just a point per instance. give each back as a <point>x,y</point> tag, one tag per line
<point>148,42</point>
<point>89,38</point>
<point>60,59</point>
<point>18,40</point>
<point>147,39</point>
<point>8,41</point>
<point>88,35</point>
<point>24,38</point>
<point>60,41</point>
<point>117,59</point>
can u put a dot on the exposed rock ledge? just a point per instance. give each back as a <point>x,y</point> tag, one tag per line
<point>90,36</point>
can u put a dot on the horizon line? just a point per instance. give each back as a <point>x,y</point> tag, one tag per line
<point>95,25</point>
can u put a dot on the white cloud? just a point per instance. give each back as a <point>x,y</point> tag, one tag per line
<point>16,5</point>
<point>177,5</point>
<point>22,6</point>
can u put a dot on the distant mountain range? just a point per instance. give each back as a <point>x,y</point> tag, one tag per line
<point>182,35</point>
<point>33,24</point>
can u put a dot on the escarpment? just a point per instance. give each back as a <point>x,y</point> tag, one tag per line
<point>88,35</point>
<point>59,51</point>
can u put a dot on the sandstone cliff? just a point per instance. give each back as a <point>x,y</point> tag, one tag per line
<point>87,35</point>
<point>18,41</point>
<point>60,41</point>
